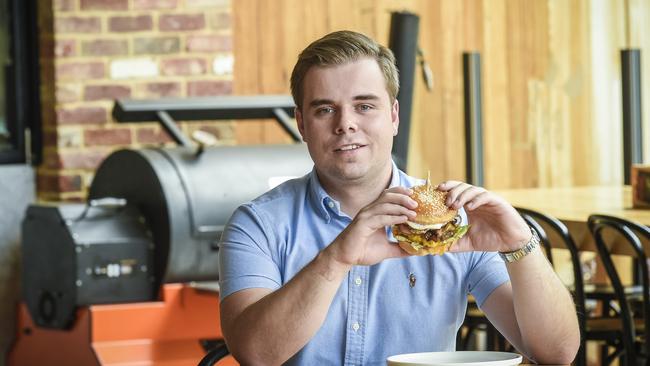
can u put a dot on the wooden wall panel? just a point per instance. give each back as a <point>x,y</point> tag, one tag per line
<point>551,79</point>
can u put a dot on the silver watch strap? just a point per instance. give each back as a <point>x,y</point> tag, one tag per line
<point>518,254</point>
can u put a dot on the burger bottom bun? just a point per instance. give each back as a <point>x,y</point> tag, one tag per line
<point>438,250</point>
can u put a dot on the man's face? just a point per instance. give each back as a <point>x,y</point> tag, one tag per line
<point>348,121</point>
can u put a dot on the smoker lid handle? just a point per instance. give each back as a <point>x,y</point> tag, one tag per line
<point>107,202</point>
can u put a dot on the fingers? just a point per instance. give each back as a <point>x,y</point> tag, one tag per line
<point>386,209</point>
<point>460,194</point>
<point>398,195</point>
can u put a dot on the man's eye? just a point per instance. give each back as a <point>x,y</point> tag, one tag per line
<point>325,110</point>
<point>364,107</point>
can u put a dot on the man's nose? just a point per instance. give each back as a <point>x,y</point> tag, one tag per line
<point>346,122</point>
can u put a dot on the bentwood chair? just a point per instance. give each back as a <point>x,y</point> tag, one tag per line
<point>614,235</point>
<point>603,328</point>
<point>217,350</point>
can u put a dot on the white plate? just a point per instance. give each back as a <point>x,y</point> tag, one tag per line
<point>455,358</point>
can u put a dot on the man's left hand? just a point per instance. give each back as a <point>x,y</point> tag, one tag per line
<point>495,224</point>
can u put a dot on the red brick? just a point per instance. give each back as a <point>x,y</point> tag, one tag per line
<point>176,22</point>
<point>46,48</point>
<point>106,92</point>
<point>207,88</point>
<point>66,93</point>
<point>80,71</point>
<point>159,90</point>
<point>221,21</point>
<point>152,135</point>
<point>113,136</point>
<point>130,24</point>
<point>155,4</point>
<point>48,116</point>
<point>81,115</point>
<point>59,183</point>
<point>65,48</point>
<point>77,25</point>
<point>64,5</point>
<point>104,4</point>
<point>209,43</point>
<point>51,160</point>
<point>105,47</point>
<point>184,66</point>
<point>156,45</point>
<point>50,138</point>
<point>83,159</point>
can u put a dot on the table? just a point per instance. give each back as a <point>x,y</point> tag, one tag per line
<point>573,205</point>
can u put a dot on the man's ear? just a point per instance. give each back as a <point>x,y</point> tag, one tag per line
<point>300,123</point>
<point>394,116</point>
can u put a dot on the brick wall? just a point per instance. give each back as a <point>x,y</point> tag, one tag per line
<point>93,51</point>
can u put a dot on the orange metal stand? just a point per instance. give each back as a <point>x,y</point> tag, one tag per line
<point>161,333</point>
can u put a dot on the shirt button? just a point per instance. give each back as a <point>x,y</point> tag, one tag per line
<point>355,326</point>
<point>358,281</point>
<point>330,204</point>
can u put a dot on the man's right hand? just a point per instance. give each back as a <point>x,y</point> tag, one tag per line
<point>364,241</point>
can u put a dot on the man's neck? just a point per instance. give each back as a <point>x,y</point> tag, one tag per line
<point>355,195</point>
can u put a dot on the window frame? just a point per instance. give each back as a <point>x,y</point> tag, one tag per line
<point>22,80</point>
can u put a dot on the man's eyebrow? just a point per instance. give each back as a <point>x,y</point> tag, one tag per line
<point>318,102</point>
<point>366,97</point>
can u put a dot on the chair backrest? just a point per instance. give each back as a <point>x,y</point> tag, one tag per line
<point>628,234</point>
<point>540,222</point>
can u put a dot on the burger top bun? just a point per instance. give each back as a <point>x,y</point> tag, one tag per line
<point>431,206</point>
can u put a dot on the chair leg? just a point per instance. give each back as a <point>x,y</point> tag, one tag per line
<point>491,341</point>
<point>468,336</point>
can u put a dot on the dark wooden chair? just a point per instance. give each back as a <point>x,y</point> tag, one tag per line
<point>614,235</point>
<point>605,328</point>
<point>217,350</point>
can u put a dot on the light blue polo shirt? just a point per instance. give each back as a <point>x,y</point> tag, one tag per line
<point>376,312</point>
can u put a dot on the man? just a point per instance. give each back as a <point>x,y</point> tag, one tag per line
<point>308,274</point>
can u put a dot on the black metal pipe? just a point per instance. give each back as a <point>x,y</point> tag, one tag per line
<point>172,129</point>
<point>287,123</point>
<point>632,133</point>
<point>473,118</point>
<point>403,42</point>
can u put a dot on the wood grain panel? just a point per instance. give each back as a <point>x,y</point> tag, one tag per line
<point>551,79</point>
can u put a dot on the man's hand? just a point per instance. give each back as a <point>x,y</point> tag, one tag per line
<point>495,224</point>
<point>364,241</point>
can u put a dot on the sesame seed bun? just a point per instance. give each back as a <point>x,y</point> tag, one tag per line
<point>431,208</point>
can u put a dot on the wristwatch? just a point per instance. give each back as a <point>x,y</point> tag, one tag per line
<point>510,257</point>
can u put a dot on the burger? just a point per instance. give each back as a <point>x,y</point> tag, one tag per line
<point>434,229</point>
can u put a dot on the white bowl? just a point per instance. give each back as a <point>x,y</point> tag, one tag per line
<point>469,358</point>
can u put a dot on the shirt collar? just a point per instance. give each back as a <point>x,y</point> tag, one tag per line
<point>326,205</point>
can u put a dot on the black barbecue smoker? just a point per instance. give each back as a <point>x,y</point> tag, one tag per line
<point>134,269</point>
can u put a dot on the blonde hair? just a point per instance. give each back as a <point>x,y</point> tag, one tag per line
<point>338,48</point>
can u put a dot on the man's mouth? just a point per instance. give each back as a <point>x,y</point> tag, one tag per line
<point>348,147</point>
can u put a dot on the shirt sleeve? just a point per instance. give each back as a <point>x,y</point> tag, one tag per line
<point>486,272</point>
<point>245,256</point>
